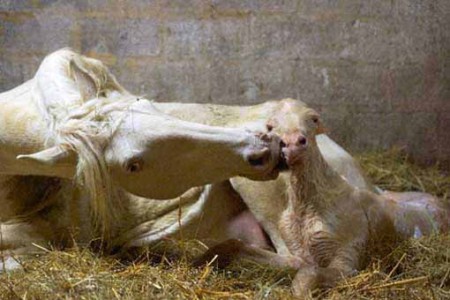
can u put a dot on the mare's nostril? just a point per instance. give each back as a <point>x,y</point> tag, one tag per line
<point>256,161</point>
<point>302,141</point>
<point>260,158</point>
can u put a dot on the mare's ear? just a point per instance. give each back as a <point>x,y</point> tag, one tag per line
<point>52,157</point>
<point>87,85</point>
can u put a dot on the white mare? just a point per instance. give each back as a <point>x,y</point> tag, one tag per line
<point>73,121</point>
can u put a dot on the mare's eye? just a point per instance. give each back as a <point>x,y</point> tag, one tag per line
<point>269,127</point>
<point>134,165</point>
<point>315,120</point>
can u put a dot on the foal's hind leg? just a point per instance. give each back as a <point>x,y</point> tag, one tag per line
<point>415,214</point>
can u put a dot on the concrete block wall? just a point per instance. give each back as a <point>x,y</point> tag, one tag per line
<point>378,71</point>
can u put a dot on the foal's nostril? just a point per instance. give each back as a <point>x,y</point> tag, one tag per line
<point>302,141</point>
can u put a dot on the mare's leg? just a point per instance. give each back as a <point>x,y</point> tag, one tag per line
<point>230,218</point>
<point>245,227</point>
<point>27,215</point>
<point>22,238</point>
<point>266,201</point>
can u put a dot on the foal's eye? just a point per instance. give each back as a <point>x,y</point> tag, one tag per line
<point>134,166</point>
<point>315,120</point>
<point>269,127</point>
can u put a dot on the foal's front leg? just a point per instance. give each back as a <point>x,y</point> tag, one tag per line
<point>232,250</point>
<point>344,264</point>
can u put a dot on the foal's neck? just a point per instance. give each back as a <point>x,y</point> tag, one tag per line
<point>314,183</point>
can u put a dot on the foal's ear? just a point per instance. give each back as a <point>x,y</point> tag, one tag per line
<point>52,157</point>
<point>320,128</point>
<point>271,124</point>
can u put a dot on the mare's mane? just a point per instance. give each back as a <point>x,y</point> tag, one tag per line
<point>75,95</point>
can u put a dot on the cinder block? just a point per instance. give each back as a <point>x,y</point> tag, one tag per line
<point>14,5</point>
<point>173,81</point>
<point>206,39</point>
<point>443,138</point>
<point>48,30</point>
<point>279,6</point>
<point>16,69</point>
<point>271,76</point>
<point>331,82</point>
<point>125,38</point>
<point>389,42</point>
<point>275,35</point>
<point>312,84</point>
<point>3,31</point>
<point>243,6</point>
<point>41,36</point>
<point>140,80</point>
<point>360,85</point>
<point>183,8</point>
<point>226,86</point>
<point>187,39</point>
<point>417,89</point>
<point>368,131</point>
<point>246,5</point>
<point>155,9</point>
<point>309,39</point>
<point>230,39</point>
<point>382,9</point>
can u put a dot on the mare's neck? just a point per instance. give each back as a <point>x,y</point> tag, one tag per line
<point>22,129</point>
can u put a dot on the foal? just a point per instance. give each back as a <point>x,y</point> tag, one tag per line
<point>334,224</point>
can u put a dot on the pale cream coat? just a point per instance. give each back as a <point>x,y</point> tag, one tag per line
<point>74,121</point>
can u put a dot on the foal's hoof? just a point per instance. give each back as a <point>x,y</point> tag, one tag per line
<point>304,282</point>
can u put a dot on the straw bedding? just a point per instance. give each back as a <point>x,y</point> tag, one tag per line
<point>416,269</point>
